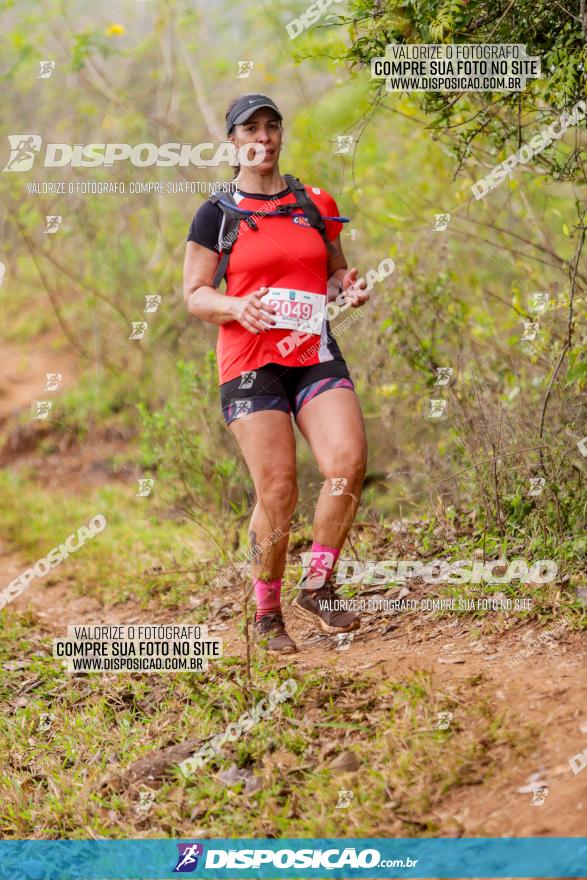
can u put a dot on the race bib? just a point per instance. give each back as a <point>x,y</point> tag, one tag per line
<point>296,309</point>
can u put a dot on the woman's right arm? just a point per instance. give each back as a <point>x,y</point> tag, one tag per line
<point>205,302</point>
<point>202,300</point>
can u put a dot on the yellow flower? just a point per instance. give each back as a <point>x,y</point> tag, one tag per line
<point>388,390</point>
<point>115,30</point>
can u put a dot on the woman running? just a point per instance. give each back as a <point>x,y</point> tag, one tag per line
<point>277,357</point>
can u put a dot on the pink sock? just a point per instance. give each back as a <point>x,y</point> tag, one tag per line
<point>268,596</point>
<point>321,564</point>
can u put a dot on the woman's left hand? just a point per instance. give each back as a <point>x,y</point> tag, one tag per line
<point>354,289</point>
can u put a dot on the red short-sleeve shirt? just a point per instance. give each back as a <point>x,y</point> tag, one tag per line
<point>283,252</point>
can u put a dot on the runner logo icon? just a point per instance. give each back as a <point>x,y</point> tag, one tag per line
<point>23,148</point>
<point>316,566</point>
<point>187,860</point>
<point>247,378</point>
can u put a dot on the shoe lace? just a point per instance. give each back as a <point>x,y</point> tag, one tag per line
<point>328,591</point>
<point>269,621</point>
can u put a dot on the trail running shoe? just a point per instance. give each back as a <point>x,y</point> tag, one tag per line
<point>269,633</point>
<point>322,607</point>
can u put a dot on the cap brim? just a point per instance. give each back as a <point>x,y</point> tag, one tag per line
<point>246,114</point>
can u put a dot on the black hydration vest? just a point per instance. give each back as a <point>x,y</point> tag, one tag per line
<point>233,216</point>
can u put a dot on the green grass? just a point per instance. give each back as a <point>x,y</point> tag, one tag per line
<point>67,779</point>
<point>117,564</point>
<point>25,312</point>
<point>130,558</point>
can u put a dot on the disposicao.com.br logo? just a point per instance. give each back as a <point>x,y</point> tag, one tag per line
<point>187,860</point>
<point>323,859</point>
<point>24,149</point>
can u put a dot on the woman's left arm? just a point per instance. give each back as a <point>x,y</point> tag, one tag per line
<point>342,280</point>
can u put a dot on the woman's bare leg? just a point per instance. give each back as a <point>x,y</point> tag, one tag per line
<point>332,424</point>
<point>266,440</point>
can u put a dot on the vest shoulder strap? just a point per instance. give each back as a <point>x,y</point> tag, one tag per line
<point>310,209</point>
<point>231,219</point>
<point>228,231</point>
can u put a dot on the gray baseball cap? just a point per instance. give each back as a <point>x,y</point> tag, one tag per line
<point>245,107</point>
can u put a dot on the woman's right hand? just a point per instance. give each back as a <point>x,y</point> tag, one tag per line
<point>252,313</point>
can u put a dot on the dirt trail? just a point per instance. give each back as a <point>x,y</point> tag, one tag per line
<point>24,372</point>
<point>548,689</point>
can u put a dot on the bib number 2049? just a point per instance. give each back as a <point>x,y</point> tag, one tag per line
<point>296,309</point>
<point>287,309</point>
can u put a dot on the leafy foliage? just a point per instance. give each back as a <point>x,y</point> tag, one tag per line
<point>552,31</point>
<point>180,447</point>
<point>458,299</point>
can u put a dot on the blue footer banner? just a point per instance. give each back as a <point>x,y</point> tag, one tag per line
<point>310,857</point>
